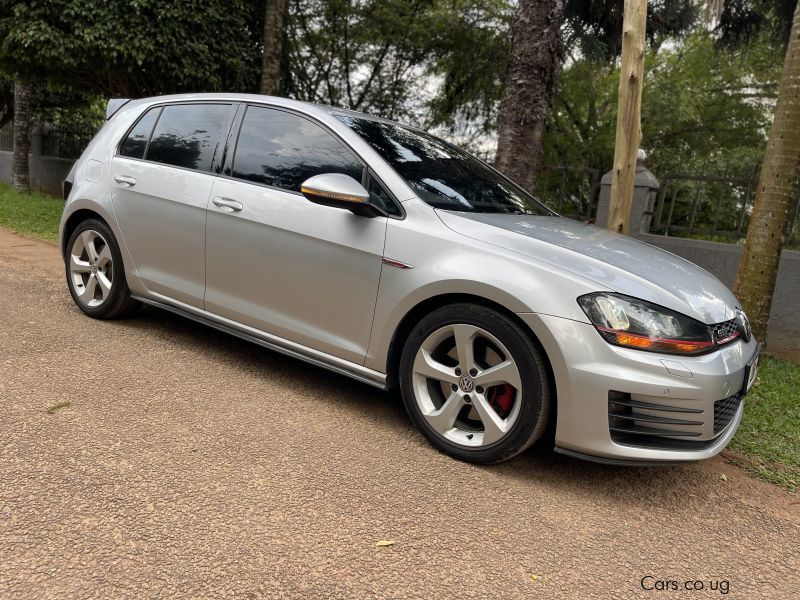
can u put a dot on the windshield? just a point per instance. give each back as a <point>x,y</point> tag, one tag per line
<point>443,175</point>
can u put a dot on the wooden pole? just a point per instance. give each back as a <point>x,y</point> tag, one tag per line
<point>629,122</point>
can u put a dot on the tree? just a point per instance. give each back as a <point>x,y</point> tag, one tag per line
<point>359,55</point>
<point>472,90</point>
<point>134,49</point>
<point>534,63</point>
<point>20,179</point>
<point>274,22</point>
<point>758,270</point>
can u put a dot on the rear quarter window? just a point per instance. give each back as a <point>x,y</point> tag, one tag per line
<point>135,143</point>
<point>188,135</point>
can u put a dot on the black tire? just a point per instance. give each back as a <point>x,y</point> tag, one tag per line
<point>534,411</point>
<point>118,304</point>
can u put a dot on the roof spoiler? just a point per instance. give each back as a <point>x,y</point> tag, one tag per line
<point>114,105</point>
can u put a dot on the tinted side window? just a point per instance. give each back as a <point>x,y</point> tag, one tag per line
<point>187,135</point>
<point>135,144</point>
<point>282,149</point>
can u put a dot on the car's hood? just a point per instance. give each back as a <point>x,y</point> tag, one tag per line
<point>616,262</point>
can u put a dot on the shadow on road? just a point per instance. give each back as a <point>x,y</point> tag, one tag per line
<point>629,486</point>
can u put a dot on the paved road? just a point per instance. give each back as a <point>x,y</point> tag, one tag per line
<point>193,464</point>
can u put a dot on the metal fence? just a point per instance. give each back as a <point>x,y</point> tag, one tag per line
<point>570,191</point>
<point>713,207</point>
<point>7,137</point>
<point>59,142</point>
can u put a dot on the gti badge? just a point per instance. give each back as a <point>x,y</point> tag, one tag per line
<point>743,325</point>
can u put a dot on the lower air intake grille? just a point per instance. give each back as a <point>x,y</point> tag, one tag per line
<point>724,411</point>
<point>653,425</point>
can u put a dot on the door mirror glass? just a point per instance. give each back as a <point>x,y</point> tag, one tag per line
<point>340,191</point>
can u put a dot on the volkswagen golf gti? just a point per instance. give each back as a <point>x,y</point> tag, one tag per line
<point>388,255</point>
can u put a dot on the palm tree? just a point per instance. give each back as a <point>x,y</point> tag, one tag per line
<point>758,269</point>
<point>274,19</point>
<point>20,179</point>
<point>534,63</point>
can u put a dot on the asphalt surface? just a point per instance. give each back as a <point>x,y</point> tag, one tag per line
<point>191,464</point>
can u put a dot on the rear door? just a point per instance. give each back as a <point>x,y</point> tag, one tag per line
<point>161,179</point>
<point>279,263</point>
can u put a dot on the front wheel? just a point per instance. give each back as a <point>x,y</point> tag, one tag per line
<point>475,384</point>
<point>95,274</point>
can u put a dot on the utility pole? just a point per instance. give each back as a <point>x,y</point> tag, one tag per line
<point>629,122</point>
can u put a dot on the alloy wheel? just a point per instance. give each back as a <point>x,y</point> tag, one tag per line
<point>91,268</point>
<point>467,385</point>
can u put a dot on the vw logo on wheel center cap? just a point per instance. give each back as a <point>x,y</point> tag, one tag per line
<point>466,384</point>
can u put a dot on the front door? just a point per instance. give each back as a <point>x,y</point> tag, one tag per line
<point>279,263</point>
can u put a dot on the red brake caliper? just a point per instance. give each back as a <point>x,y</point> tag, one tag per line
<point>501,399</point>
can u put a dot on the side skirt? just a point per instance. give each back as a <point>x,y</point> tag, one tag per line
<point>275,343</point>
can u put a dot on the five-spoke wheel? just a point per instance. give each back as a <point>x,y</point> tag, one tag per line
<point>475,383</point>
<point>95,273</point>
<point>91,268</point>
<point>467,384</point>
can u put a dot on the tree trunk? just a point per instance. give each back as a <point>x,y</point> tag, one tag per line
<point>629,115</point>
<point>20,179</point>
<point>274,19</point>
<point>758,269</point>
<point>534,64</point>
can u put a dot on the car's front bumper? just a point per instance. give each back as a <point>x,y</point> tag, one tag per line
<point>629,406</point>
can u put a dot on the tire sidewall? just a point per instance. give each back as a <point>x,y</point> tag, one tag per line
<point>532,418</point>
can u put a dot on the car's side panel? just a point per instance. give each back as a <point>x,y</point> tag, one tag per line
<point>162,219</point>
<point>445,262</point>
<point>298,270</point>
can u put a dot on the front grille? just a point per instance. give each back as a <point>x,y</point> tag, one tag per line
<point>724,411</point>
<point>724,332</point>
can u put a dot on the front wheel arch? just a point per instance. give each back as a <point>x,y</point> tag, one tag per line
<point>416,314</point>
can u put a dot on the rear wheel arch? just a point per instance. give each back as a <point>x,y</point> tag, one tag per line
<point>74,220</point>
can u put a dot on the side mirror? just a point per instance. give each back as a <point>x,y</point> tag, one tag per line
<point>340,191</point>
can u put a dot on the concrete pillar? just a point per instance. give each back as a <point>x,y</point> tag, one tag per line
<point>36,140</point>
<point>645,190</point>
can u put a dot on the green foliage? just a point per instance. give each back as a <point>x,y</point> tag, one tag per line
<point>473,43</point>
<point>705,110</point>
<point>743,20</point>
<point>595,28</point>
<point>469,60</point>
<point>359,55</point>
<point>134,48</point>
<point>708,106</point>
<point>770,431</point>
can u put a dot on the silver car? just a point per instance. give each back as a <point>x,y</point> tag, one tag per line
<point>383,253</point>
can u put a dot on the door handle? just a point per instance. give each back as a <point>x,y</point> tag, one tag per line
<point>125,180</point>
<point>233,205</point>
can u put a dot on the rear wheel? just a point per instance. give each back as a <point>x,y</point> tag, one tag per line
<point>95,274</point>
<point>474,383</point>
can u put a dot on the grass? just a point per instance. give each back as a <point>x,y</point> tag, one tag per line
<point>35,215</point>
<point>768,441</point>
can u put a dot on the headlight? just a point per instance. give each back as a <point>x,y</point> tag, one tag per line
<point>632,323</point>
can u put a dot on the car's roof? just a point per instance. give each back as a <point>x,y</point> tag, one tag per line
<point>275,100</point>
